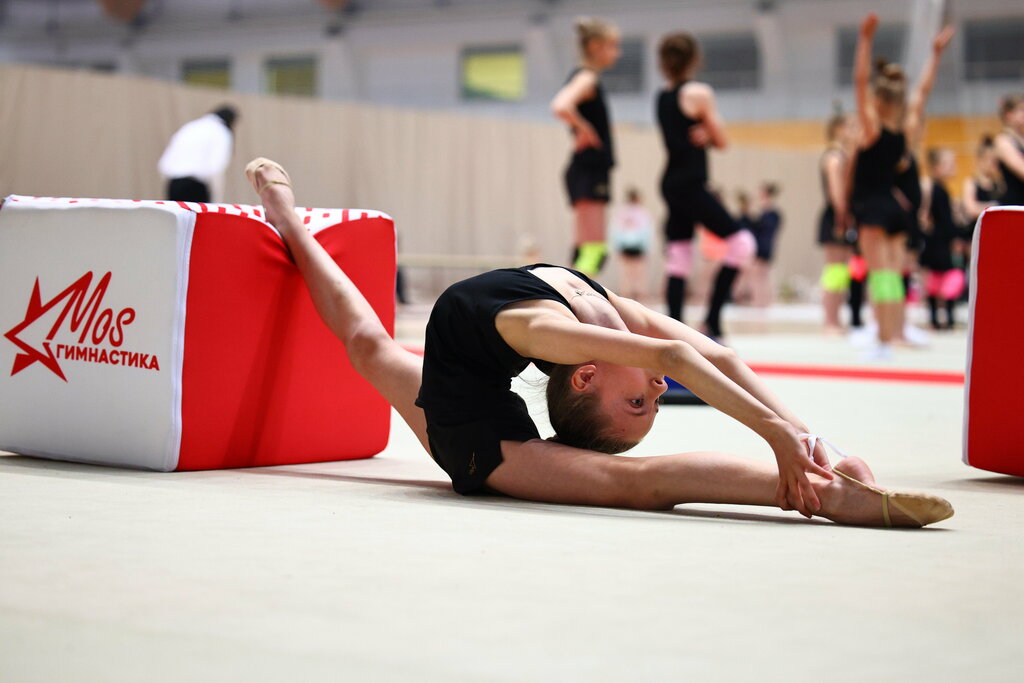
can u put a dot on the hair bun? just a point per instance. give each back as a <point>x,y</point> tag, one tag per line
<point>887,69</point>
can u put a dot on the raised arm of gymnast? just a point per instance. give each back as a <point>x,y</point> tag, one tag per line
<point>867,115</point>
<point>916,107</point>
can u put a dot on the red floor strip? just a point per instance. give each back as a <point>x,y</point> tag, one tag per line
<point>839,372</point>
<point>876,374</point>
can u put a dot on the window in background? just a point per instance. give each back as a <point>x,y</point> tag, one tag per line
<point>730,61</point>
<point>291,76</point>
<point>493,73</point>
<point>627,76</point>
<point>213,73</point>
<point>994,49</point>
<point>890,43</point>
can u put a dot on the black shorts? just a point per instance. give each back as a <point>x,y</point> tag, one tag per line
<point>587,178</point>
<point>469,450</point>
<point>690,204</point>
<point>826,231</point>
<point>883,210</point>
<point>632,252</point>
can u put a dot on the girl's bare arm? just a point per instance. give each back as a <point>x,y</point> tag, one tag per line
<point>580,87</point>
<point>644,321</point>
<point>835,181</point>
<point>697,100</point>
<point>914,126</point>
<point>972,207</point>
<point>866,114</point>
<point>559,339</point>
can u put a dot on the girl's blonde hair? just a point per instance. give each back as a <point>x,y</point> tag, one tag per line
<point>592,28</point>
<point>890,82</point>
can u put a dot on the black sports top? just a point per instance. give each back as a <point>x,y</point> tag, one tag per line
<point>595,111</point>
<point>876,165</point>
<point>1014,194</point>
<point>995,194</point>
<point>687,164</point>
<point>467,366</point>
<point>938,243</point>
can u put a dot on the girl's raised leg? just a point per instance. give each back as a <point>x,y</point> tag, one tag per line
<point>393,371</point>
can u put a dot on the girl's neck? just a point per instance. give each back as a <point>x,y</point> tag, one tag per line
<point>686,77</point>
<point>591,64</point>
<point>1014,133</point>
<point>893,122</point>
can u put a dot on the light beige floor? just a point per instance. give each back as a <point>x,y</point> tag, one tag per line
<point>374,570</point>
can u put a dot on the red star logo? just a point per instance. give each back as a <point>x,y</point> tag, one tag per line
<point>36,309</point>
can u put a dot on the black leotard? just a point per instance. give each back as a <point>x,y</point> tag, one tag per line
<point>587,177</point>
<point>876,165</point>
<point>595,112</point>
<point>686,173</point>
<point>687,164</point>
<point>827,221</point>
<point>1014,194</point>
<point>873,202</point>
<point>466,392</point>
<point>765,230</point>
<point>994,195</point>
<point>938,242</point>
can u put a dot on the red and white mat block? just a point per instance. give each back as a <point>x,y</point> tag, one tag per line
<point>993,403</point>
<point>180,336</point>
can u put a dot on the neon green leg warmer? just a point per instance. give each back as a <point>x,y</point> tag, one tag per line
<point>878,286</point>
<point>590,257</point>
<point>885,286</point>
<point>835,277</point>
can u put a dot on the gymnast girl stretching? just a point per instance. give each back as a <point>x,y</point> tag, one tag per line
<point>606,357</point>
<point>889,126</point>
<point>1009,146</point>
<point>581,104</point>
<point>689,121</point>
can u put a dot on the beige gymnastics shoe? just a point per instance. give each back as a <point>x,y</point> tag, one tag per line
<point>920,509</point>
<point>256,164</point>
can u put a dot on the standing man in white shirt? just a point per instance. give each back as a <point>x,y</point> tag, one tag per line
<point>197,156</point>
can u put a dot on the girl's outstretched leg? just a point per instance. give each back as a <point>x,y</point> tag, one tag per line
<point>554,473</point>
<point>393,371</point>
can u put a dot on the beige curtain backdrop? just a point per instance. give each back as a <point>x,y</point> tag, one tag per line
<point>456,184</point>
